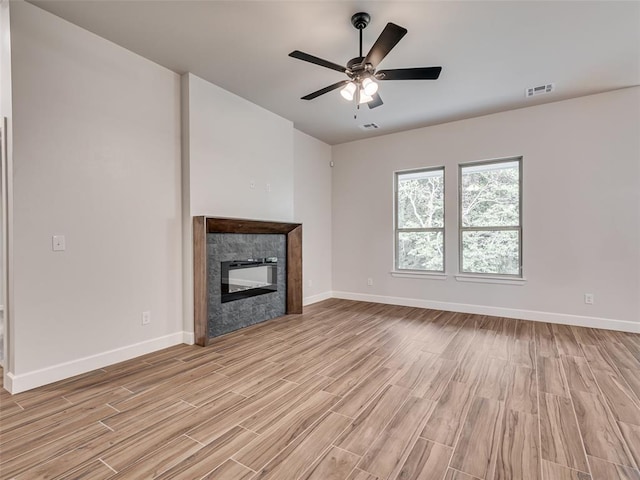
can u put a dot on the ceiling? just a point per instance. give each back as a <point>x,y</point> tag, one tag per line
<point>490,52</point>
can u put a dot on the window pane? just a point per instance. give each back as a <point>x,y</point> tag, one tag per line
<point>421,199</point>
<point>420,251</point>
<point>491,195</point>
<point>491,252</point>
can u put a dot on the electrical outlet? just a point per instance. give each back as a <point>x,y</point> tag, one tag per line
<point>310,283</point>
<point>370,281</point>
<point>252,184</point>
<point>588,298</point>
<point>268,187</point>
<point>146,318</point>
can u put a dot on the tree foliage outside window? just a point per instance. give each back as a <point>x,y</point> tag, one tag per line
<point>420,220</point>
<point>490,219</point>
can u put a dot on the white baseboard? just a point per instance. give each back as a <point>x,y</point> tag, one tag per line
<point>7,382</point>
<point>534,315</point>
<point>37,378</point>
<point>316,298</point>
<point>188,338</point>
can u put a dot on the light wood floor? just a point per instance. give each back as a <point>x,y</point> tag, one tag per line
<point>348,390</point>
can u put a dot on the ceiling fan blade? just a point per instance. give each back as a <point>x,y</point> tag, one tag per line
<point>388,39</point>
<point>324,90</point>
<point>420,73</point>
<point>376,102</point>
<point>318,61</point>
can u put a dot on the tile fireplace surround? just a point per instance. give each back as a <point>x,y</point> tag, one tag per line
<point>218,240</point>
<point>225,317</point>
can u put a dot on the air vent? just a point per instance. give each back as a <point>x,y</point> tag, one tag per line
<point>369,126</point>
<point>539,90</point>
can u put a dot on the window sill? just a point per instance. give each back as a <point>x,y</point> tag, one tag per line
<point>490,279</point>
<point>421,275</point>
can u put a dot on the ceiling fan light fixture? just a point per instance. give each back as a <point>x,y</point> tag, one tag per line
<point>364,98</point>
<point>348,91</point>
<point>369,87</point>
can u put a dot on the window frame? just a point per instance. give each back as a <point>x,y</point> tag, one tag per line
<point>461,228</point>
<point>397,230</point>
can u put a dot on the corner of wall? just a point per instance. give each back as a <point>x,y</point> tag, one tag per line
<point>6,192</point>
<point>312,194</point>
<point>187,248</point>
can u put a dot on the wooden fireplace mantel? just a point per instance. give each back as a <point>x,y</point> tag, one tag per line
<point>203,225</point>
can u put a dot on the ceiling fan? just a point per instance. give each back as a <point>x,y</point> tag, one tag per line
<point>361,70</point>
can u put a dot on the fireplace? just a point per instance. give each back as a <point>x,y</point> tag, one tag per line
<point>245,272</point>
<point>248,278</point>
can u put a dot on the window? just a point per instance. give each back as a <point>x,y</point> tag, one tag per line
<point>491,217</point>
<point>419,217</point>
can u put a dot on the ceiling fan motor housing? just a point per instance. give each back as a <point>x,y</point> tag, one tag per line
<point>357,68</point>
<point>360,20</point>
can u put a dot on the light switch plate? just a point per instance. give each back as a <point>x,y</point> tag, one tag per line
<point>58,243</point>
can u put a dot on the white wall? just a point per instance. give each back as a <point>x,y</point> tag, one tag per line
<point>233,142</point>
<point>96,133</point>
<point>581,207</point>
<point>312,208</point>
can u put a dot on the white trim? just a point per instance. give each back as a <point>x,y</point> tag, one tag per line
<point>188,338</point>
<point>7,381</point>
<point>26,381</point>
<point>421,275</point>
<point>533,315</point>
<point>316,298</point>
<point>490,279</point>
